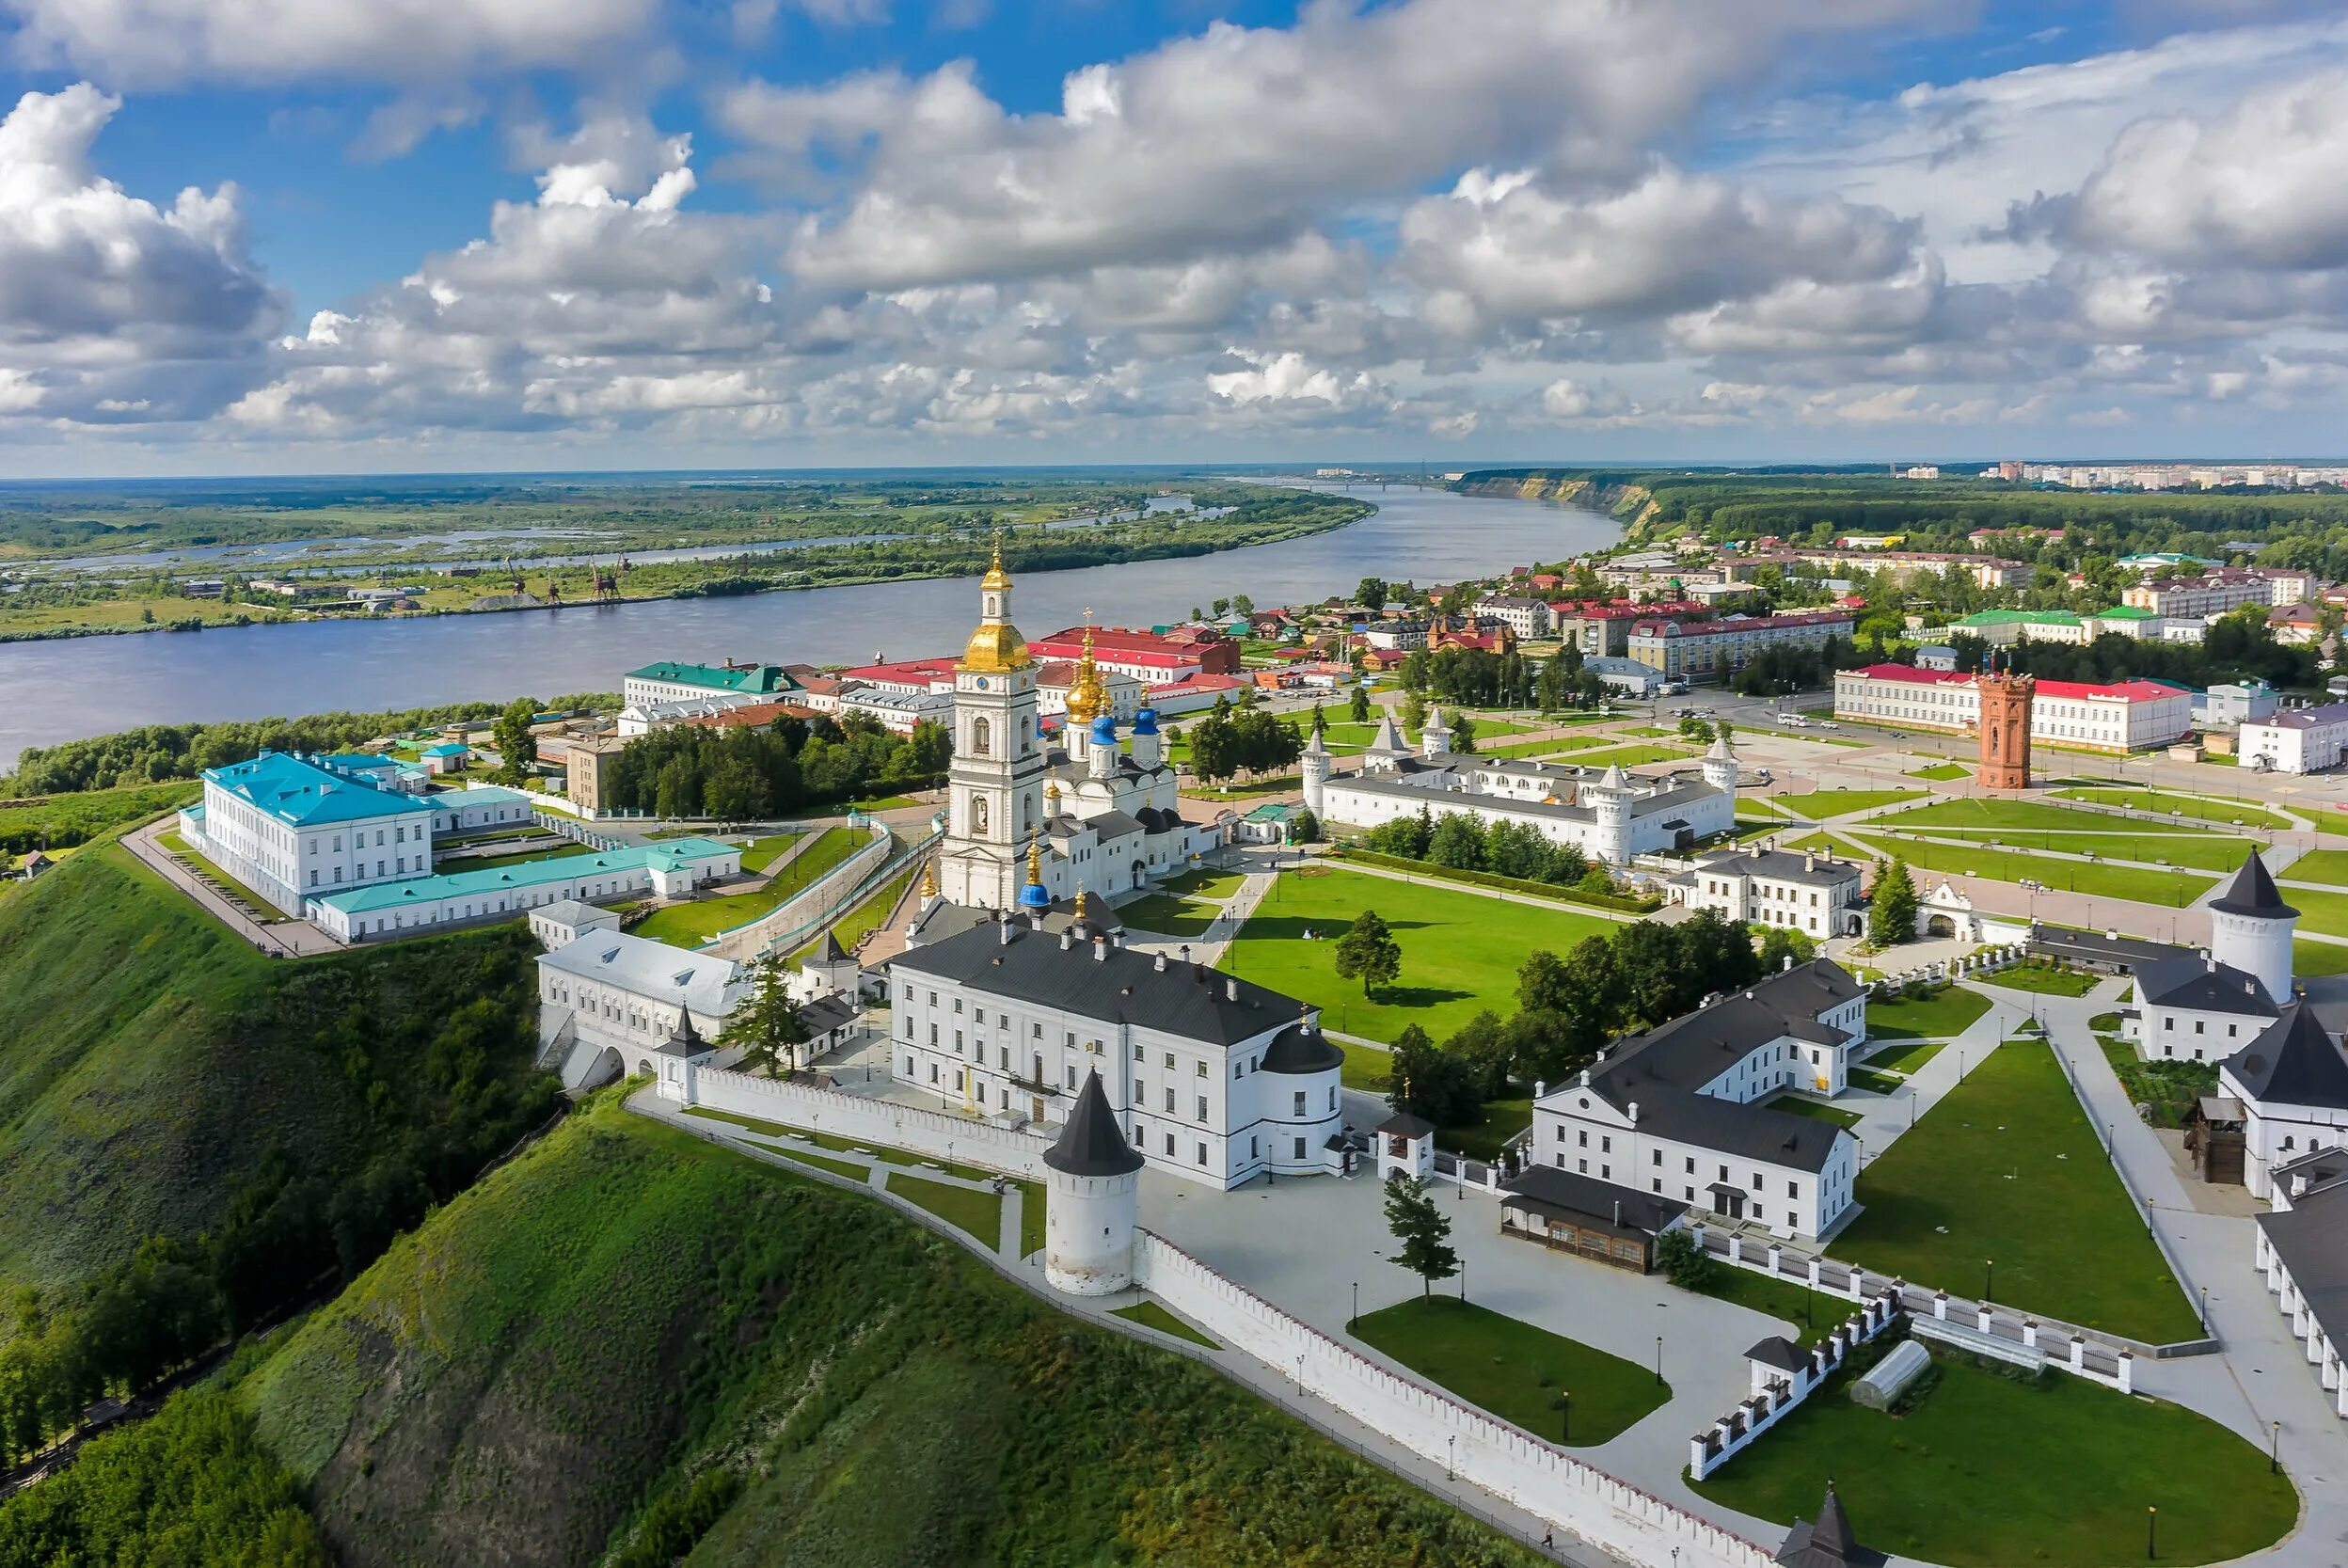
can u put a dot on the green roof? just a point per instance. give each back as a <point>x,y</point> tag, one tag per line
<point>1272,811</point>
<point>2126,613</point>
<point>758,679</point>
<point>667,855</point>
<point>2019,617</point>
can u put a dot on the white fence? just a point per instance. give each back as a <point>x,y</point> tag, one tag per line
<point>1734,1432</point>
<point>803,1106</point>
<point>1521,1470</point>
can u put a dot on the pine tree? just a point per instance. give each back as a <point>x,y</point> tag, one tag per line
<point>1360,708</point>
<point>1892,911</point>
<point>1369,952</point>
<point>1424,1234</point>
<point>766,1025</point>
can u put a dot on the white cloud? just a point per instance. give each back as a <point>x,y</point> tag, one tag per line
<point>112,308</point>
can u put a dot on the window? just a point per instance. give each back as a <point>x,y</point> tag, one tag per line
<point>1202,1107</point>
<point>1300,1149</point>
<point>1169,1146</point>
<point>1071,1075</point>
<point>1793,1189</point>
<point>1169,1099</point>
<point>1141,1092</point>
<point>1605,1146</point>
<point>1584,1141</point>
<point>1202,1067</point>
<point>1300,1102</point>
<point>1138,1054</point>
<point>1692,1165</point>
<point>1169,1058</point>
<point>958,1009</point>
<point>1203,1154</point>
<point>1657,1160</point>
<point>1582,1165</point>
<point>1756,1181</point>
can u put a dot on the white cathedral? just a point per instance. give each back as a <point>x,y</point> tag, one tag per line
<point>1103,820</point>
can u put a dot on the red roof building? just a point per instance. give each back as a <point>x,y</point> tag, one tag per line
<point>1144,655</point>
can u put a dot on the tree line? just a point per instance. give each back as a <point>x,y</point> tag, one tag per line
<point>745,774</point>
<point>1243,738</point>
<point>1465,843</point>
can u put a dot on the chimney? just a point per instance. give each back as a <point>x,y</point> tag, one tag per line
<point>1068,940</point>
<point>1005,927</point>
<point>1159,963</point>
<point>1618,1213</point>
<point>1787,965</point>
<point>1634,1112</point>
<point>1231,988</point>
<point>1100,949</point>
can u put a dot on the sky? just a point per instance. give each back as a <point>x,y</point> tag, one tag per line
<point>278,236</point>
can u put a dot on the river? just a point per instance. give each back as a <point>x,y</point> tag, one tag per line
<point>68,687</point>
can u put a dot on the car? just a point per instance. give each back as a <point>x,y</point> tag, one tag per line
<point>1829,724</point>
<point>1763,774</point>
<point>1793,722</point>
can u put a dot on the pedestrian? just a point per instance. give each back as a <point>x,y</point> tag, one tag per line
<point>1549,1540</point>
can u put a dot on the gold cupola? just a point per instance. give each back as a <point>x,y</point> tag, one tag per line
<point>996,646</point>
<point>1088,697</point>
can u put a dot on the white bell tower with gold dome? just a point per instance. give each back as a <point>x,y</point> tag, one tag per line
<point>996,785</point>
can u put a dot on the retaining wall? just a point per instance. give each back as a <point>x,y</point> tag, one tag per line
<point>879,1121</point>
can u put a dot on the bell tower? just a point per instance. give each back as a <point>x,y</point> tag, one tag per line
<point>2005,731</point>
<point>994,786</point>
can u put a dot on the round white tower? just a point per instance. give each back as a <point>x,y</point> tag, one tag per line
<point>2250,927</point>
<point>1720,765</point>
<point>1315,764</point>
<point>1608,800</point>
<point>1095,1181</point>
<point>1435,739</point>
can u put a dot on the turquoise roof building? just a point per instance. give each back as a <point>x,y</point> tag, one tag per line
<point>305,794</point>
<point>755,680</point>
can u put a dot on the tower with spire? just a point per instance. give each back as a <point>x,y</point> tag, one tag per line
<point>1095,1186</point>
<point>2251,928</point>
<point>1315,764</point>
<point>1719,764</point>
<point>995,782</point>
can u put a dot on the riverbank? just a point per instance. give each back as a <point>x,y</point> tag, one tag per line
<point>1267,521</point>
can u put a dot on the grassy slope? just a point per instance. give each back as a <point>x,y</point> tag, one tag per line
<point>625,1307</point>
<point>1513,1369</point>
<point>146,1056</point>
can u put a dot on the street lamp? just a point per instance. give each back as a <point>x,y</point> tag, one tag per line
<point>1658,1360</point>
<point>2151,1531</point>
<point>1989,1273</point>
<point>1566,1416</point>
<point>1450,1456</point>
<point>1357,1317</point>
<point>2275,1449</point>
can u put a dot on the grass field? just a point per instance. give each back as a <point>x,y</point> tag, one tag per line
<point>883,1397</point>
<point>1810,1311</point>
<point>2006,1169</point>
<point>847,1169</point>
<point>1990,814</point>
<point>1513,1369</point>
<point>1563,744</point>
<point>1905,1059</point>
<point>2320,958</point>
<point>1762,806</point>
<point>2200,808</point>
<point>1878,1083</point>
<point>760,854</point>
<point>1204,883</point>
<point>2202,852</point>
<point>1820,803</point>
<point>1817,1110</point>
<point>61,821</point>
<point>1942,773</point>
<point>1171,916</point>
<point>2045,979</point>
<point>2327,913</point>
<point>236,889</point>
<point>691,925</point>
<point>1150,1315</point>
<point>2140,884</point>
<point>2327,867</point>
<point>490,862</point>
<point>1461,950</point>
<point>1987,1472</point>
<point>979,1213</point>
<point>1946,1012</point>
<point>1628,756</point>
<point>1031,1216</point>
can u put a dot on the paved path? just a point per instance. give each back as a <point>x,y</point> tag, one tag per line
<point>1883,1117</point>
<point>279,939</point>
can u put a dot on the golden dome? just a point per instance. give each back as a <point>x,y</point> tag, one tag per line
<point>995,647</point>
<point>1088,697</point>
<point>997,577</point>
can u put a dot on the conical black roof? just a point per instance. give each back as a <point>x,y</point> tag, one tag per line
<point>831,952</point>
<point>1827,1544</point>
<point>2295,1062</point>
<point>2252,892</point>
<point>1091,1144</point>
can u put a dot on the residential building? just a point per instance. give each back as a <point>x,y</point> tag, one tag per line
<point>1627,675</point>
<point>586,761</point>
<point>897,712</point>
<point>904,677</point>
<point>1610,816</point>
<point>1816,895</point>
<point>2292,1086</point>
<point>2296,740</point>
<point>1211,1077</point>
<point>1189,695</point>
<point>2295,625</point>
<point>1680,1110</point>
<point>288,827</point>
<point>1602,630</point>
<point>1711,650</point>
<point>2211,594</point>
<point>749,716</point>
<point>2124,716</point>
<point>1526,616</point>
<point>673,682</point>
<point>2303,1251</point>
<point>1936,656</point>
<point>637,719</point>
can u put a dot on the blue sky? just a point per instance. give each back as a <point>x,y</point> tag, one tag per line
<point>300,235</point>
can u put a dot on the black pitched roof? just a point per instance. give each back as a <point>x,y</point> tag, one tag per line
<point>2189,980</point>
<point>945,919</point>
<point>1296,1051</point>
<point>1120,986</point>
<point>1779,1352</point>
<point>1402,1124</point>
<point>2295,1061</point>
<point>830,951</point>
<point>1828,1542</point>
<point>1091,1143</point>
<point>1590,1201</point>
<point>2252,892</point>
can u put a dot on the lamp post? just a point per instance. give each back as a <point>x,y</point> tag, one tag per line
<point>2275,1449</point>
<point>1988,1277</point>
<point>1658,1360</point>
<point>2152,1532</point>
<point>1357,1314</point>
<point>1566,1416</point>
<point>1450,1456</point>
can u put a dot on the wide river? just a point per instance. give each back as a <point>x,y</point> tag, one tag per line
<point>64,689</point>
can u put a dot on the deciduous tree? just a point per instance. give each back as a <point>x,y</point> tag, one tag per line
<point>1367,951</point>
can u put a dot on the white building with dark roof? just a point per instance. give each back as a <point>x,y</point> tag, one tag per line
<point>2292,1083</point>
<point>1611,816</point>
<point>1213,1078</point>
<point>2299,740</point>
<point>2303,1251</point>
<point>608,1003</point>
<point>1814,893</point>
<point>1677,1111</point>
<point>2204,1007</point>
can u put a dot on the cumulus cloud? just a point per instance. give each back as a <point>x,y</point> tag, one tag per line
<point>112,308</point>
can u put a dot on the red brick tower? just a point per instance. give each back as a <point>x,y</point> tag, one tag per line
<point>2005,731</point>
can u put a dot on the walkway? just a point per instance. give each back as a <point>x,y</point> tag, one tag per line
<point>279,939</point>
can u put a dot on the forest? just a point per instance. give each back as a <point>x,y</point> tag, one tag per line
<point>744,774</point>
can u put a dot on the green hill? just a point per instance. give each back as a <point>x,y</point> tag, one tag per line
<point>630,1347</point>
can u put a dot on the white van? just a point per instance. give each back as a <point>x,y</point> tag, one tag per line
<point>1793,720</point>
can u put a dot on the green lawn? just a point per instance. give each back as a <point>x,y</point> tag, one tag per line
<point>1560,745</point>
<point>2320,958</point>
<point>853,926</point>
<point>2046,980</point>
<point>1812,1311</point>
<point>1878,1083</point>
<point>1629,757</point>
<point>2027,815</point>
<point>2326,866</point>
<point>1513,1369</point>
<point>236,889</point>
<point>1150,1315</point>
<point>980,1214</point>
<point>1820,803</point>
<point>760,854</point>
<point>1171,916</point>
<point>490,862</point>
<point>1905,1059</point>
<point>1204,883</point>
<point>2169,889</point>
<point>2327,913</point>
<point>691,925</point>
<point>824,1161</point>
<point>2006,1168</point>
<point>1461,950</point>
<point>2204,853</point>
<point>1944,1013</point>
<point>2201,808</point>
<point>1031,1202</point>
<point>1988,1471</point>
<point>1942,773</point>
<point>1502,1120</point>
<point>1817,1110</point>
<point>1762,806</point>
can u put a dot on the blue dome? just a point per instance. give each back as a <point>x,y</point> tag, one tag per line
<point>1104,730</point>
<point>1145,721</point>
<point>1032,897</point>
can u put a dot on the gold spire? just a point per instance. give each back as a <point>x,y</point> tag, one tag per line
<point>1080,903</point>
<point>997,577</point>
<point>1035,860</point>
<point>996,645</point>
<point>929,878</point>
<point>1088,697</point>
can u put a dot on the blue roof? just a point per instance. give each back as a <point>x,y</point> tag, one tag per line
<point>1145,721</point>
<point>302,794</point>
<point>1105,729</point>
<point>367,760</point>
<point>668,855</point>
<point>1033,897</point>
<point>446,749</point>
